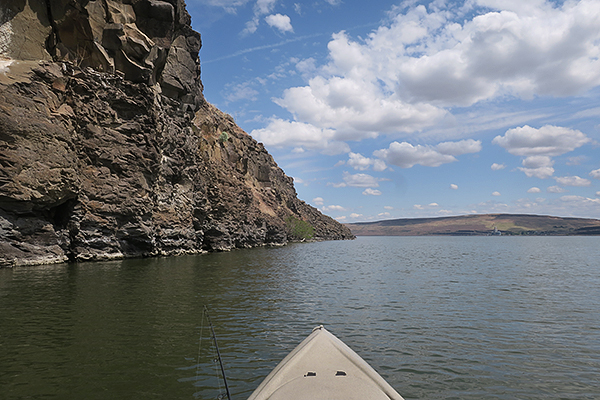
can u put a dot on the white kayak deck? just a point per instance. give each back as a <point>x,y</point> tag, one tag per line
<point>323,367</point>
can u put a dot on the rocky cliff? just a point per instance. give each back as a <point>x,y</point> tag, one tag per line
<point>108,148</point>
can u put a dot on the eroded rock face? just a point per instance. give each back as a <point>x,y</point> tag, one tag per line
<point>150,41</point>
<point>108,149</point>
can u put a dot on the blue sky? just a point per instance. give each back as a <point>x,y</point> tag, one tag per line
<point>401,109</point>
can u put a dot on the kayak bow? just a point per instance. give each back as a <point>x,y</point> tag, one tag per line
<point>323,367</point>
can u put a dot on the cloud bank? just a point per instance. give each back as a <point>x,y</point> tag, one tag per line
<point>408,74</point>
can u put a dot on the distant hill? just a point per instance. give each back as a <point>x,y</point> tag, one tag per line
<point>481,224</point>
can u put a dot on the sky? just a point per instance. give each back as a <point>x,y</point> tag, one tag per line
<point>401,109</point>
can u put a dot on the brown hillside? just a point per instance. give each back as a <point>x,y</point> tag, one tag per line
<point>507,224</point>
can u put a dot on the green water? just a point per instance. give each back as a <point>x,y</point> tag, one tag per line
<point>439,318</point>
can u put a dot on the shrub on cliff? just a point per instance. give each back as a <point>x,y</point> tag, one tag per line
<point>298,229</point>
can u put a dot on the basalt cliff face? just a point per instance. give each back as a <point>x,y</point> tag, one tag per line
<point>108,148</point>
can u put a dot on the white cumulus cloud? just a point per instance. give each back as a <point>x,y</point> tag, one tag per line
<point>360,162</point>
<point>459,148</point>
<point>534,190</point>
<point>497,167</point>
<point>279,21</point>
<point>379,165</point>
<point>572,181</point>
<point>281,133</point>
<point>537,162</point>
<point>371,192</point>
<point>359,180</point>
<point>541,172</point>
<point>430,206</point>
<point>495,193</point>
<point>355,107</point>
<point>556,189</point>
<point>538,167</point>
<point>405,155</point>
<point>538,145</point>
<point>546,141</point>
<point>595,174</point>
<point>318,201</point>
<point>264,6</point>
<point>333,208</point>
<point>261,7</point>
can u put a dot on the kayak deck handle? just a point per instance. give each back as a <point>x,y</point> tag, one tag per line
<point>340,373</point>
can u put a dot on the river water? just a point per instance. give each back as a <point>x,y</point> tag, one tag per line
<point>437,317</point>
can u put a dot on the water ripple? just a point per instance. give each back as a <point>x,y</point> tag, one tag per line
<point>439,318</point>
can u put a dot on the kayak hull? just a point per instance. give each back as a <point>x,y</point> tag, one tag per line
<point>323,367</point>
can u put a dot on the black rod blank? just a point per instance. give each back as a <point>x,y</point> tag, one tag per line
<point>218,353</point>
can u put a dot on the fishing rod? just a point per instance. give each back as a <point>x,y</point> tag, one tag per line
<point>218,353</point>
